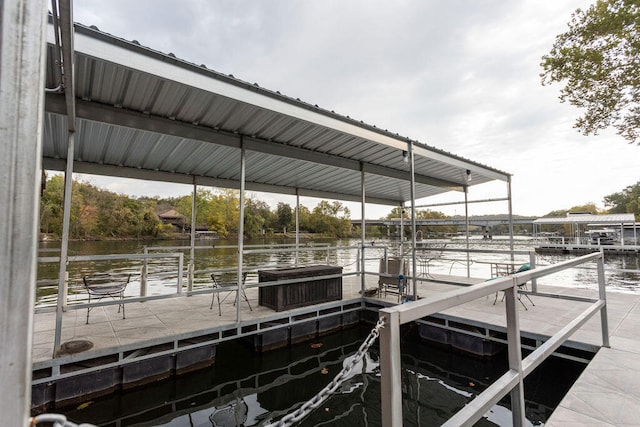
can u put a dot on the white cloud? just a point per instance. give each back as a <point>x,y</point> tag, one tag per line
<point>460,76</point>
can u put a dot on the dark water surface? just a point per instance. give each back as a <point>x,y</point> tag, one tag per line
<point>251,389</point>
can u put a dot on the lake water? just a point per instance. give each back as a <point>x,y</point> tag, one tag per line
<point>248,389</point>
<point>163,272</point>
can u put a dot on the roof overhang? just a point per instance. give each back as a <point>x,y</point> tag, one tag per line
<point>588,219</point>
<point>144,114</point>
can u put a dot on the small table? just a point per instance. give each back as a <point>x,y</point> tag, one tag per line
<point>300,294</point>
<point>500,268</point>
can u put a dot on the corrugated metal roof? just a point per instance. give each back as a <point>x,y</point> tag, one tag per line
<point>145,114</point>
<point>626,218</point>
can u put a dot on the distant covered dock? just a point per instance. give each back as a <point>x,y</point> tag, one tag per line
<point>581,222</point>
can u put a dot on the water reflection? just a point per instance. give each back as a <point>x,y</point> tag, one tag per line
<point>247,389</point>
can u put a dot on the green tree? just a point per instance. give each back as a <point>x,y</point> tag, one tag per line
<point>626,201</point>
<point>284,216</point>
<point>51,206</point>
<point>598,60</point>
<point>257,216</point>
<point>96,213</point>
<point>331,219</point>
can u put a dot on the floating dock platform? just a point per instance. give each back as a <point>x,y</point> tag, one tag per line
<point>575,249</point>
<point>166,337</point>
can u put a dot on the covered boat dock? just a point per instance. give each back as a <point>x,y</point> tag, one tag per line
<point>79,100</point>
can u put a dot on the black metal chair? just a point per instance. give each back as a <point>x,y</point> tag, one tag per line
<point>217,284</point>
<point>106,285</point>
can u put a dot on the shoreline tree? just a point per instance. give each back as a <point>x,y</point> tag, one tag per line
<point>598,61</point>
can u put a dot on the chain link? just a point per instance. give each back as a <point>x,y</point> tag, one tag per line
<point>330,388</point>
<point>56,420</point>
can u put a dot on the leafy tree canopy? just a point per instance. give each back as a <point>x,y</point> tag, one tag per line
<point>598,60</point>
<point>626,201</point>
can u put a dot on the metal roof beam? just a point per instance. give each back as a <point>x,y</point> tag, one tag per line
<point>404,175</point>
<point>66,36</point>
<point>132,119</point>
<point>179,178</point>
<point>420,150</point>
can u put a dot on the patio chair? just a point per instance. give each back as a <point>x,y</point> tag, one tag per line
<point>521,286</point>
<point>106,285</point>
<point>217,284</point>
<point>391,277</point>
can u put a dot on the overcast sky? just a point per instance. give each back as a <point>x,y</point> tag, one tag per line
<point>462,76</point>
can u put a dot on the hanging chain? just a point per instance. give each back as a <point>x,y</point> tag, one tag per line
<point>56,420</point>
<point>330,388</point>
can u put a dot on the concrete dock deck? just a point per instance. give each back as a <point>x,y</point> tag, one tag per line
<point>607,393</point>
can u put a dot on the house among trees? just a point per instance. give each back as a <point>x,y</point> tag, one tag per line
<point>174,218</point>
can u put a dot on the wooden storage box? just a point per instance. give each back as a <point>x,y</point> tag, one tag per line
<point>294,295</point>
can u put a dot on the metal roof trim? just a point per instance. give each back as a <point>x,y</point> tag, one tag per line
<point>590,219</point>
<point>229,86</point>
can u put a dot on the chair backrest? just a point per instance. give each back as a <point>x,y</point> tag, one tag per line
<point>105,280</point>
<point>217,283</point>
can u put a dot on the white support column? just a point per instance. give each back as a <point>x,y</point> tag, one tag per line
<point>241,228</point>
<point>363,231</point>
<point>414,274</point>
<point>466,223</point>
<point>604,322</point>
<point>22,55</point>
<point>64,246</point>
<point>192,253</point>
<point>401,230</point>
<point>297,226</point>
<point>510,216</point>
<point>390,370</point>
<point>66,39</point>
<point>515,354</point>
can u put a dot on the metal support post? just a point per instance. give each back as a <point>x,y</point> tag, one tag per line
<point>602,293</point>
<point>511,243</point>
<point>402,230</point>
<point>192,255</point>
<point>532,264</point>
<point>180,273</point>
<point>297,226</point>
<point>64,245</point>
<point>466,222</point>
<point>22,55</point>
<point>363,231</point>
<point>515,354</point>
<point>243,160</point>
<point>390,370</point>
<point>414,274</point>
<point>145,273</point>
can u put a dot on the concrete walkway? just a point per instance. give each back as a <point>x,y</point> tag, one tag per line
<point>608,391</point>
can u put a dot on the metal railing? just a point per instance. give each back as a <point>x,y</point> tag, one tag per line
<point>512,381</point>
<point>177,256</point>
